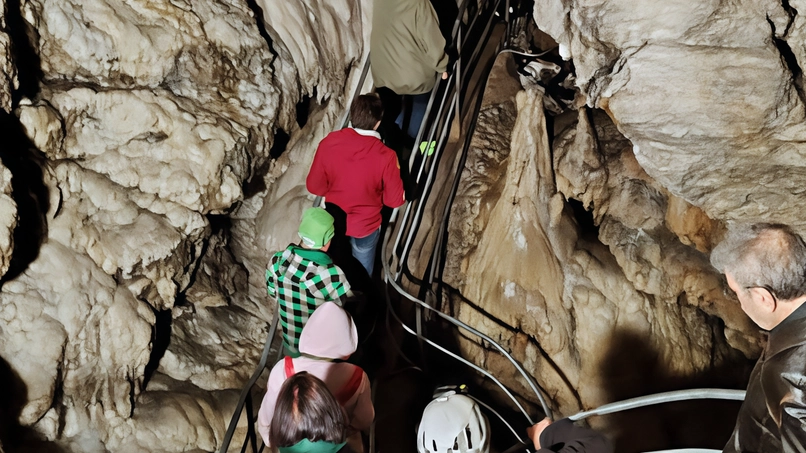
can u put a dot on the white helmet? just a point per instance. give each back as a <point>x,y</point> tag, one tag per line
<point>453,423</point>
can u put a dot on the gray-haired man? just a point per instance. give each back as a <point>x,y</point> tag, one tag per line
<point>765,266</point>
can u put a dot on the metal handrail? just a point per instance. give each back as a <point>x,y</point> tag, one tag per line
<point>440,348</point>
<point>443,118</point>
<point>650,400</point>
<point>455,75</point>
<point>409,225</point>
<point>245,399</point>
<point>659,398</point>
<point>246,392</point>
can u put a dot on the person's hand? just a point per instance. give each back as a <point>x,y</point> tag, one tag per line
<point>444,76</point>
<point>536,430</point>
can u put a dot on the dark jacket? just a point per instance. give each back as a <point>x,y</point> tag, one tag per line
<point>563,436</point>
<point>772,418</point>
<point>407,49</point>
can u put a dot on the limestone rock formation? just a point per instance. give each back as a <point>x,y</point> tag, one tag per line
<point>8,72</point>
<point>155,128</point>
<point>162,152</point>
<point>570,255</point>
<point>8,219</point>
<point>698,87</point>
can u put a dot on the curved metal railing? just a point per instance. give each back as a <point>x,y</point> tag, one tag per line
<point>245,401</point>
<point>425,167</point>
<point>660,398</point>
<point>474,24</point>
<point>654,399</point>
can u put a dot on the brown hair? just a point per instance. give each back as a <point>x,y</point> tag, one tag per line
<point>366,111</point>
<point>306,409</point>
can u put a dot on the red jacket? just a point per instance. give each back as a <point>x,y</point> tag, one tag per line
<point>359,174</point>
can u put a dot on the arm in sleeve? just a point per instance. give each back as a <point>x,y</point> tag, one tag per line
<point>317,182</point>
<point>563,436</point>
<point>341,291</point>
<point>393,194</point>
<point>783,379</point>
<point>364,411</point>
<point>793,423</point>
<point>271,280</point>
<point>336,289</point>
<point>431,39</point>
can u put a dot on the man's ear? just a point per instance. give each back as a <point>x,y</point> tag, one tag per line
<point>764,298</point>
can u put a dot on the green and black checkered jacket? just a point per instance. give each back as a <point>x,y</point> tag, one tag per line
<point>301,280</point>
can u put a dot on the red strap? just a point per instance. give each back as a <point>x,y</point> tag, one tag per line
<point>289,367</point>
<point>345,393</point>
<point>349,389</point>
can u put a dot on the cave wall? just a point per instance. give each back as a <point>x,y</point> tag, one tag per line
<point>590,272</point>
<point>156,156</point>
<point>150,143</point>
<point>696,87</point>
<point>584,247</point>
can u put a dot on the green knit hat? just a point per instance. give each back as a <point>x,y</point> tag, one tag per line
<point>316,228</point>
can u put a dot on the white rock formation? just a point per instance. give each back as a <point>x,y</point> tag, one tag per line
<point>153,125</point>
<point>8,219</point>
<point>696,87</point>
<point>619,305</point>
<point>8,207</point>
<point>52,336</point>
<point>135,321</point>
<point>8,72</point>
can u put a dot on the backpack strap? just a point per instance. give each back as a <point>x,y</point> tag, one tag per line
<point>289,367</point>
<point>348,390</point>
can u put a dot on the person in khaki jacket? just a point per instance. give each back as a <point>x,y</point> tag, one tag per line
<point>407,51</point>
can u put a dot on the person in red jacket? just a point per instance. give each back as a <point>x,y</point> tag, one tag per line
<point>355,171</point>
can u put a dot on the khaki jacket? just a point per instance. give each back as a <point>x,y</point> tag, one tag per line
<point>407,50</point>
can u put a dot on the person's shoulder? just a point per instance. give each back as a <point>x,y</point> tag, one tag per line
<point>382,149</point>
<point>276,376</point>
<point>291,249</point>
<point>334,271</point>
<point>278,255</point>
<point>389,155</point>
<point>336,136</point>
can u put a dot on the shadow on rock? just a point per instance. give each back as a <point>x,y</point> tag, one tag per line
<point>632,368</point>
<point>15,438</point>
<point>29,192</point>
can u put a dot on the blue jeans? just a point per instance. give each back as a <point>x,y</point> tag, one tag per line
<point>419,103</point>
<point>364,249</point>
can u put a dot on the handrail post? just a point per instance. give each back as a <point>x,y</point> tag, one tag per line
<point>506,19</point>
<point>459,77</point>
<point>246,392</point>
<point>250,421</point>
